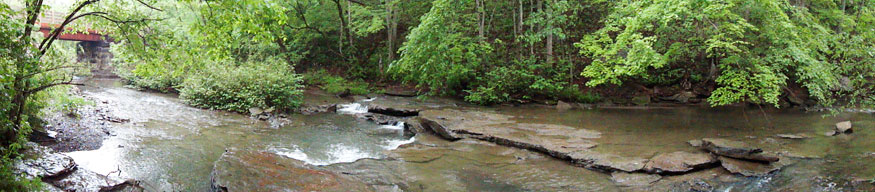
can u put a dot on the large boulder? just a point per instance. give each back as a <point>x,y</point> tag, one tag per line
<point>243,170</point>
<point>736,149</point>
<point>679,162</point>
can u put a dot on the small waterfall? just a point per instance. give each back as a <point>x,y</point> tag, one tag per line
<point>352,108</point>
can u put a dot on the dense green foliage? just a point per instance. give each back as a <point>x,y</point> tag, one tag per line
<point>750,49</point>
<point>497,51</point>
<point>267,84</point>
<point>335,84</point>
<point>731,51</point>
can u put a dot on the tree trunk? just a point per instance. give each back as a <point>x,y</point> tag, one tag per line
<point>549,27</point>
<point>482,19</point>
<point>343,25</point>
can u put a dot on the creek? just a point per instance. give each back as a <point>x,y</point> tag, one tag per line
<point>170,146</point>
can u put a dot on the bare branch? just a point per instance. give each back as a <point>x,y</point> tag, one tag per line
<point>46,86</point>
<point>33,10</point>
<point>51,69</point>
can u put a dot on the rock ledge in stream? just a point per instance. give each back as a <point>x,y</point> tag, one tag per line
<point>243,170</point>
<point>634,179</point>
<point>736,149</point>
<point>679,162</point>
<point>559,141</point>
<point>748,168</point>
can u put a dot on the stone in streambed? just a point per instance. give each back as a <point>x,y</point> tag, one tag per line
<point>641,100</point>
<point>394,107</point>
<point>736,149</point>
<point>562,106</point>
<point>747,168</point>
<point>242,170</point>
<point>679,162</point>
<point>791,136</point>
<point>634,179</point>
<point>608,162</point>
<point>45,162</point>
<point>844,127</point>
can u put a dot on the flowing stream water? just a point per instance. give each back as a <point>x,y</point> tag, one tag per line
<point>172,147</point>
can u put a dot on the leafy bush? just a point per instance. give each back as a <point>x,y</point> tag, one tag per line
<point>335,84</point>
<point>61,100</point>
<point>519,81</point>
<point>269,84</point>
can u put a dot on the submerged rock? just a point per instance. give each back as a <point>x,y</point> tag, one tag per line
<point>559,141</point>
<point>608,162</point>
<point>844,127</point>
<point>792,136</point>
<point>736,149</point>
<point>634,179</point>
<point>242,170</point>
<point>679,162</point>
<point>747,168</point>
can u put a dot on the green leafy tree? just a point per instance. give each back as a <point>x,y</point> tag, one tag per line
<point>750,49</point>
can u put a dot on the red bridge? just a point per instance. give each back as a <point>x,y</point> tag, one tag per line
<point>52,20</point>
<point>93,47</point>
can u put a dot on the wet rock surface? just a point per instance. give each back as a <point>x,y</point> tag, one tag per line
<point>736,149</point>
<point>311,109</point>
<point>42,162</point>
<point>679,162</point>
<point>379,118</point>
<point>607,162</point>
<point>792,136</point>
<point>748,168</point>
<point>559,141</point>
<point>244,170</point>
<point>85,130</point>
<point>61,173</point>
<point>634,179</point>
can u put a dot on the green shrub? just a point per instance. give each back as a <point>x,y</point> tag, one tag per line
<point>335,84</point>
<point>60,100</point>
<point>269,84</point>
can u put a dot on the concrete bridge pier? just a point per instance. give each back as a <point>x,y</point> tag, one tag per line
<point>97,56</point>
